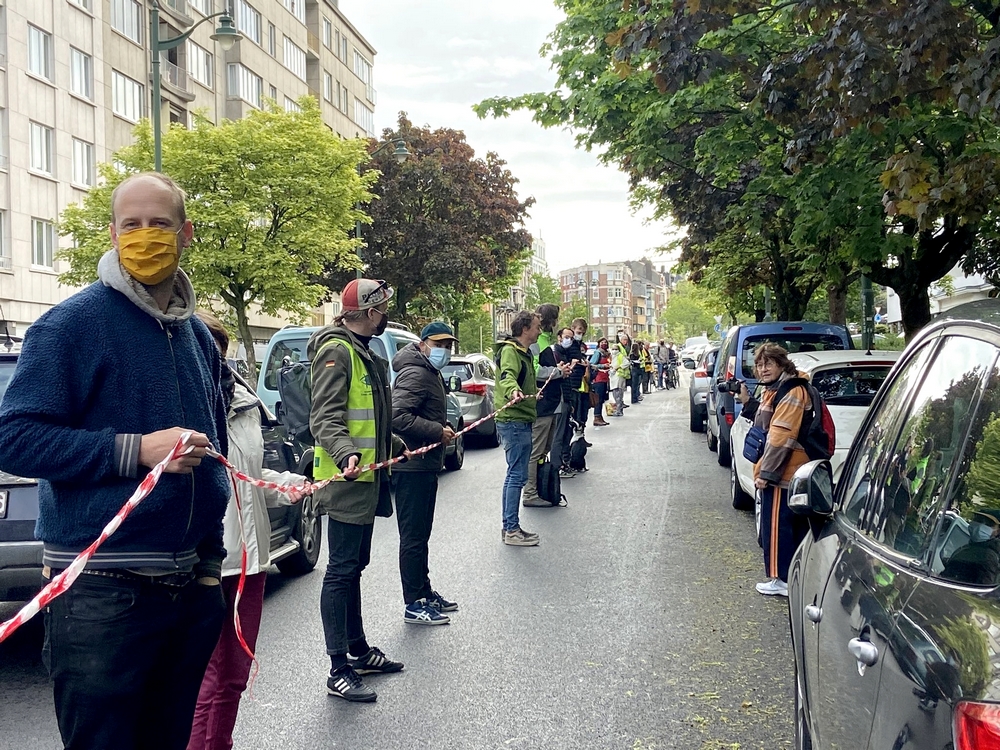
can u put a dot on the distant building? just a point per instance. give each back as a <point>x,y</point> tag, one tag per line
<point>607,287</point>
<point>538,263</point>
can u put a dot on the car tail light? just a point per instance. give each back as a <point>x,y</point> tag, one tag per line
<point>474,389</point>
<point>701,373</point>
<point>977,726</point>
<point>730,418</point>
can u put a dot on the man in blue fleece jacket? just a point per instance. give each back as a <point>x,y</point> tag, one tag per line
<point>105,384</point>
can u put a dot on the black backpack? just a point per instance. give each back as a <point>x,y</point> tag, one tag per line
<point>818,434</point>
<point>549,484</point>
<point>295,393</point>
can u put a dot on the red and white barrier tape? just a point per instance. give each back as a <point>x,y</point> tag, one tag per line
<point>61,583</point>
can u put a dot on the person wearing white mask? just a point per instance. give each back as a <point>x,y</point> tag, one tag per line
<point>419,417</point>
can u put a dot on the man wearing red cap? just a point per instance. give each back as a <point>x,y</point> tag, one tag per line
<point>350,421</point>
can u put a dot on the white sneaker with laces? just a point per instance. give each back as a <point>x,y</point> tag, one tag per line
<point>773,587</point>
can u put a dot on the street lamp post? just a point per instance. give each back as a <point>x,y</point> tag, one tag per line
<point>400,154</point>
<point>225,34</point>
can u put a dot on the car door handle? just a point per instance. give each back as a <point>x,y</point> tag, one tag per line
<point>864,651</point>
<point>814,613</point>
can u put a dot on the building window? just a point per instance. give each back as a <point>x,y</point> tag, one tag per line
<point>595,293</point>
<point>328,87</point>
<point>297,8</point>
<point>272,40</point>
<point>39,52</point>
<point>6,263</point>
<point>364,117</point>
<point>202,6</point>
<point>126,18</point>
<point>363,70</point>
<point>291,105</point>
<point>43,242</point>
<point>343,47</point>
<point>85,4</point>
<point>245,84</point>
<point>247,20</point>
<point>81,73</point>
<point>344,96</point>
<point>83,163</point>
<point>295,59</point>
<point>272,91</point>
<point>41,147</point>
<point>327,33</point>
<point>126,97</point>
<point>200,64</point>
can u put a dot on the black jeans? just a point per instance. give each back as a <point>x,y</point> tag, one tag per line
<point>636,379</point>
<point>582,408</point>
<point>416,494</point>
<point>559,455</point>
<point>127,657</point>
<point>340,600</point>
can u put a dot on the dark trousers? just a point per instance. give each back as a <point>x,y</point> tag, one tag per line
<point>228,669</point>
<point>781,531</point>
<point>340,600</point>
<point>559,454</point>
<point>127,657</point>
<point>634,384</point>
<point>582,408</point>
<point>416,495</point>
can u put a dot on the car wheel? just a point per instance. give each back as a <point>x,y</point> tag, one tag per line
<point>697,421</point>
<point>713,441</point>
<point>309,535</point>
<point>741,500</point>
<point>454,460</point>
<point>803,741</point>
<point>725,452</point>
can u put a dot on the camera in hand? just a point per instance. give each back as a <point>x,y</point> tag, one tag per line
<point>730,386</point>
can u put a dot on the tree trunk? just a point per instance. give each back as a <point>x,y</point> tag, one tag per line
<point>837,300</point>
<point>243,326</point>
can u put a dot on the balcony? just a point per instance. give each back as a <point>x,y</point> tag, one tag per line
<point>178,9</point>
<point>313,46</point>
<point>176,78</point>
<point>6,263</point>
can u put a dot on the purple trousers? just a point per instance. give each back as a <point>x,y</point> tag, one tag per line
<point>227,672</point>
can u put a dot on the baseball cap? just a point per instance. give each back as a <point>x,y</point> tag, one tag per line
<point>437,331</point>
<point>363,294</point>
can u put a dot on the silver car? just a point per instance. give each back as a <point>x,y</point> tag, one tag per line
<point>478,375</point>
<point>698,387</point>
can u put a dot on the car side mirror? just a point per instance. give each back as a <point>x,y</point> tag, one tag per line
<point>689,364</point>
<point>454,384</point>
<point>279,412</point>
<point>811,490</point>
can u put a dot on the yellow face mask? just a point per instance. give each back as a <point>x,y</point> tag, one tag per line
<point>149,254</point>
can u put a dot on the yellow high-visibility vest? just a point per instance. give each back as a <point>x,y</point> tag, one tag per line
<point>360,420</point>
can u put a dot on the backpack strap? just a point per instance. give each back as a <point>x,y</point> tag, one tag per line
<point>786,387</point>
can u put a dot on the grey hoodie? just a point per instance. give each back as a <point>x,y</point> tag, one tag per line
<point>182,303</point>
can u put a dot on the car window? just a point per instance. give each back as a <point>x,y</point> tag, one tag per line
<point>463,370</point>
<point>850,386</point>
<point>294,349</point>
<point>910,497</point>
<point>792,343</point>
<point>968,543</point>
<point>378,347</point>
<point>857,480</point>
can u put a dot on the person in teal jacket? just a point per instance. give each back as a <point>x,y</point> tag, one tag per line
<point>516,380</point>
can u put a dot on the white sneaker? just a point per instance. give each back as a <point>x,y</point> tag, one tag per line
<point>773,587</point>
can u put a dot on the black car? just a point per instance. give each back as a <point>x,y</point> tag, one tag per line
<point>893,595</point>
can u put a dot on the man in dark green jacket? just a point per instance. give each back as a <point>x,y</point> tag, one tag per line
<point>350,421</point>
<point>516,380</point>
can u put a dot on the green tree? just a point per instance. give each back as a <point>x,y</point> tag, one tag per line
<point>543,289</point>
<point>272,198</point>
<point>443,222</point>
<point>690,311</point>
<point>576,308</point>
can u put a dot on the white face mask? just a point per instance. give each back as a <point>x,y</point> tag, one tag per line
<point>567,343</point>
<point>578,337</point>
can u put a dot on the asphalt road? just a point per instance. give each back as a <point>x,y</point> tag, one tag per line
<point>634,624</point>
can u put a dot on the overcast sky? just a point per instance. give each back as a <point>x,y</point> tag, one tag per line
<point>436,58</point>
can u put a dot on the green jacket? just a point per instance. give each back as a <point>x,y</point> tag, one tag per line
<point>516,373</point>
<point>350,502</point>
<point>545,340</point>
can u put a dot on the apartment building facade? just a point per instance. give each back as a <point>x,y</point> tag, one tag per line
<point>626,296</point>
<point>75,80</point>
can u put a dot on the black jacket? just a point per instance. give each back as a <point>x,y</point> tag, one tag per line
<point>419,408</point>
<point>548,402</point>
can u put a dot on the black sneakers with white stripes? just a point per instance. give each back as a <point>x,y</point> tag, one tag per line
<point>345,683</point>
<point>375,662</point>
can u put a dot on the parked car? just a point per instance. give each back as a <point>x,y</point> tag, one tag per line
<point>735,361</point>
<point>20,552</point>
<point>698,386</point>
<point>290,342</point>
<point>847,381</point>
<point>478,375</point>
<point>692,349</point>
<point>893,602</point>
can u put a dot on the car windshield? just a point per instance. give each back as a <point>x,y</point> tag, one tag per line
<point>294,349</point>
<point>462,369</point>
<point>6,372</point>
<point>850,386</point>
<point>792,343</point>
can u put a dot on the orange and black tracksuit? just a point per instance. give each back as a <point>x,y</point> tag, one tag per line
<point>781,530</point>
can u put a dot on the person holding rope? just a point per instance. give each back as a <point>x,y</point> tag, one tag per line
<point>106,384</point>
<point>350,420</point>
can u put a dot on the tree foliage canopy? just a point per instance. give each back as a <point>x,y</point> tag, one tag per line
<point>272,198</point>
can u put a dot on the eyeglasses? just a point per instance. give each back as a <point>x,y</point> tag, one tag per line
<point>377,292</point>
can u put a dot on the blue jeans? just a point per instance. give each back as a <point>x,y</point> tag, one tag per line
<point>516,439</point>
<point>660,367</point>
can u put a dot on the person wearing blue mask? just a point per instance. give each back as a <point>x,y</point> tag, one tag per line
<point>419,416</point>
